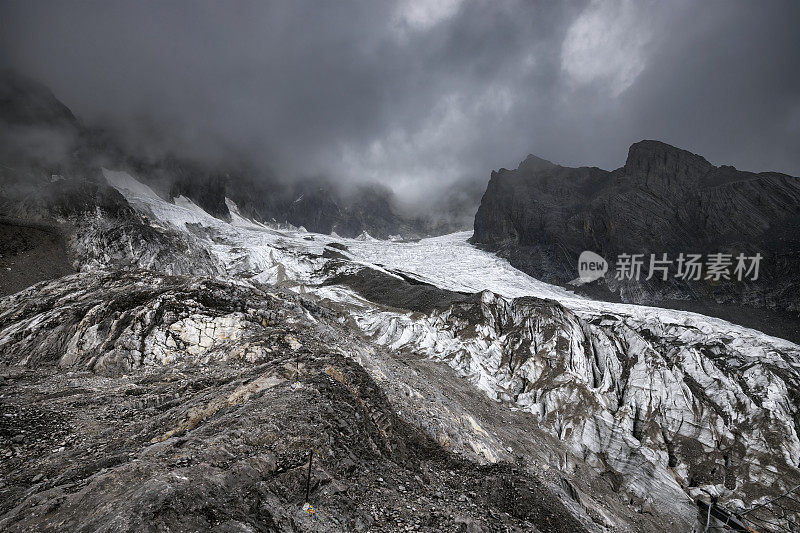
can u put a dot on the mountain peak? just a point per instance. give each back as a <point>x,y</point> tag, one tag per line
<point>534,163</point>
<point>659,159</point>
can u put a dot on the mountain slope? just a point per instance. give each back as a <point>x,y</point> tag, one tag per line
<point>204,428</point>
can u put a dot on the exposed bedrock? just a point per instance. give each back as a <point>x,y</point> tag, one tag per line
<point>133,398</point>
<point>541,216</point>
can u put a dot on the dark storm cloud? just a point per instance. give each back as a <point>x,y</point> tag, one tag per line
<point>420,93</point>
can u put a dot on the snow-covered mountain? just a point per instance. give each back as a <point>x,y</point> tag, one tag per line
<point>611,416</point>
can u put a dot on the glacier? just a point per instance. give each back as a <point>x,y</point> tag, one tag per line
<point>667,406</point>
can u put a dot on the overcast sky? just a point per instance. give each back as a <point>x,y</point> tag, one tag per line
<point>420,93</point>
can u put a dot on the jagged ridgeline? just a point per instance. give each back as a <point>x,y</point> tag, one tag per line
<point>541,216</point>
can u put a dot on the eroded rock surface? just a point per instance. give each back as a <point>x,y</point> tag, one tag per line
<point>192,404</point>
<point>665,411</point>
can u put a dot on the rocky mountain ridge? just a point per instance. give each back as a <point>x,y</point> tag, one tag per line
<point>664,200</point>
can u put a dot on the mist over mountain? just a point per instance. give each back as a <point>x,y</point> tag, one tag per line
<point>419,96</point>
<point>42,138</point>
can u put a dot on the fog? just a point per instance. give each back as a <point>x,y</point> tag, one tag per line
<point>421,96</point>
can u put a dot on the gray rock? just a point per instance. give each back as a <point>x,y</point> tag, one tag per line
<point>541,216</point>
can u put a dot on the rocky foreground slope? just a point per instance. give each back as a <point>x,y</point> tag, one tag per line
<point>440,389</point>
<point>169,403</point>
<point>664,200</point>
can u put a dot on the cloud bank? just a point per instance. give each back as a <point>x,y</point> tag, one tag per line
<point>421,95</point>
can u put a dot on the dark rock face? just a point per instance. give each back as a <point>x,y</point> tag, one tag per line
<point>29,254</point>
<point>26,102</point>
<point>84,224</point>
<point>663,200</point>
<point>38,134</point>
